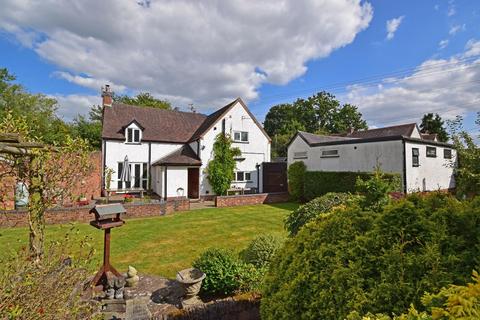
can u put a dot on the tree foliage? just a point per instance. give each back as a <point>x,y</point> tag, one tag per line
<point>144,99</point>
<point>376,189</point>
<point>221,168</point>
<point>373,261</point>
<point>434,124</point>
<point>50,173</point>
<point>467,177</point>
<point>320,113</point>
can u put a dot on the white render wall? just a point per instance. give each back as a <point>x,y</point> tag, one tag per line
<point>432,173</point>
<point>257,150</point>
<point>361,157</point>
<point>116,151</point>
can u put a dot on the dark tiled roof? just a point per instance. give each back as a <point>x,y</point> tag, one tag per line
<point>211,120</point>
<point>429,136</point>
<point>400,130</point>
<point>160,125</point>
<point>311,138</point>
<point>185,156</point>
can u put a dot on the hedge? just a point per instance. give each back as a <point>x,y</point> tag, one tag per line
<point>318,183</point>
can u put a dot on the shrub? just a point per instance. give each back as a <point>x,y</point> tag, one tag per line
<point>261,250</point>
<point>225,273</point>
<point>321,205</point>
<point>373,261</point>
<point>50,289</point>
<point>453,302</point>
<point>318,183</point>
<point>296,180</point>
<point>376,189</point>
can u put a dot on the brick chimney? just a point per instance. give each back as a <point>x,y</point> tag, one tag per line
<point>107,96</point>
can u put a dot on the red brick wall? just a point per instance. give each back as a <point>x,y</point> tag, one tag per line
<point>90,186</point>
<point>250,199</point>
<point>17,218</point>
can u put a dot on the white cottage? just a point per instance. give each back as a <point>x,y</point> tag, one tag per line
<point>424,163</point>
<point>168,151</point>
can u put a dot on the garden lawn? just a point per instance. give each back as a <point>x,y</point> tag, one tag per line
<point>167,244</point>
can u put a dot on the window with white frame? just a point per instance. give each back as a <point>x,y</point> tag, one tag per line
<point>447,153</point>
<point>300,155</point>
<point>431,152</point>
<point>329,154</point>
<point>242,176</point>
<point>132,135</point>
<point>138,176</point>
<point>240,136</point>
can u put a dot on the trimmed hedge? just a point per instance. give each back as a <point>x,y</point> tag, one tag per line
<point>318,183</point>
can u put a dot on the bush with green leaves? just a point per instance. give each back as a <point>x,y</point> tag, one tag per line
<point>452,302</point>
<point>374,261</point>
<point>318,183</point>
<point>376,189</point>
<point>261,250</point>
<point>296,180</point>
<point>225,273</point>
<point>318,206</point>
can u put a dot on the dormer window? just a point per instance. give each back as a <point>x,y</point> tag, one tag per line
<point>133,135</point>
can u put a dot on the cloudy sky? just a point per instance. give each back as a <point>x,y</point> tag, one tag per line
<point>395,60</point>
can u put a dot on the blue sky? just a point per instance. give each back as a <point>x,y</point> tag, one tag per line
<point>57,55</point>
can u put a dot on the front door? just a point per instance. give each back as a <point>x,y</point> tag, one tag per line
<point>193,177</point>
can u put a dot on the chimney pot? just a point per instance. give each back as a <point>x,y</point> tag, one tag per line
<point>107,96</point>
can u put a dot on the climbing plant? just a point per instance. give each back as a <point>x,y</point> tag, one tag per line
<point>222,168</point>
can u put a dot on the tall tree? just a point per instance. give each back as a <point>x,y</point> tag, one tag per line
<point>38,110</point>
<point>144,99</point>
<point>320,113</point>
<point>433,123</point>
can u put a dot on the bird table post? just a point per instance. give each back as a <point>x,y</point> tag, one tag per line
<point>107,216</point>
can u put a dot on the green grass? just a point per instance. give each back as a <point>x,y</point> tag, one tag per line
<point>165,245</point>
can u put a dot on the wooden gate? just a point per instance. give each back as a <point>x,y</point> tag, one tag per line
<point>275,177</point>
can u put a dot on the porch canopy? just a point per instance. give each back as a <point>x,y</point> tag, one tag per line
<point>184,157</point>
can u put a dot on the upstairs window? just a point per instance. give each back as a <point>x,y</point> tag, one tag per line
<point>447,153</point>
<point>300,155</point>
<point>133,135</point>
<point>415,157</point>
<point>431,152</point>
<point>329,154</point>
<point>240,136</point>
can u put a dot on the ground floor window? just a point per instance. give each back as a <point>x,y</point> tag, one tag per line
<point>242,176</point>
<point>138,173</point>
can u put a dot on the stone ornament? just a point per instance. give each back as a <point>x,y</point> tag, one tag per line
<point>132,277</point>
<point>191,281</point>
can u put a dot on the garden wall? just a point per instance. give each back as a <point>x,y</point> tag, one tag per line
<point>250,199</point>
<point>89,186</point>
<point>17,218</point>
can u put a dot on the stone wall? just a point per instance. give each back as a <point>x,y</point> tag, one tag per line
<point>18,218</point>
<point>250,199</point>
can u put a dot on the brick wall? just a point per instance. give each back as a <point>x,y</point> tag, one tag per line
<point>89,186</point>
<point>17,218</point>
<point>250,199</point>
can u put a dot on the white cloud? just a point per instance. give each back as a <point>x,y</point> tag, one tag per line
<point>448,87</point>
<point>69,106</point>
<point>392,26</point>
<point>205,52</point>
<point>451,8</point>
<point>456,28</point>
<point>443,43</point>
